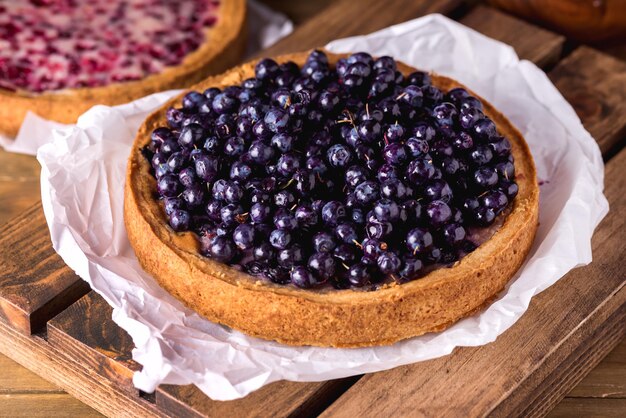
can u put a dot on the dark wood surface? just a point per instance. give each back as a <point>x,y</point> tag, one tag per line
<point>593,83</point>
<point>31,294</point>
<point>566,332</point>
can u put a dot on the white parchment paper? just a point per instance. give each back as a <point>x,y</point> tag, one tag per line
<point>82,185</point>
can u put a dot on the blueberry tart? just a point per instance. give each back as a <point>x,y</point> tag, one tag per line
<point>331,200</point>
<point>58,58</point>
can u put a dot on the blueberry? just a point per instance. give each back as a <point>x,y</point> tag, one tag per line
<point>359,275</point>
<point>280,239</point>
<point>378,229</point>
<point>194,196</point>
<point>243,236</point>
<point>277,120</point>
<point>323,242</point>
<point>453,234</point>
<point>366,192</point>
<point>306,216</point>
<point>346,233</point>
<point>168,185</point>
<point>419,170</point>
<point>302,277</point>
<point>386,210</point>
<point>322,265</point>
<point>179,220</point>
<point>418,78</point>
<point>419,240</point>
<point>339,155</point>
<point>411,267</point>
<point>369,130</point>
<point>266,69</point>
<point>395,154</point>
<point>445,113</point>
<point>412,96</point>
<point>333,212</point>
<point>285,220</point>
<point>485,177</point>
<point>389,262</point>
<point>260,152</point>
<point>484,129</point>
<point>264,252</point>
<point>290,257</point>
<point>222,249</point>
<point>438,212</point>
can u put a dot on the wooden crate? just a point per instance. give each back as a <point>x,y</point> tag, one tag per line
<point>53,324</point>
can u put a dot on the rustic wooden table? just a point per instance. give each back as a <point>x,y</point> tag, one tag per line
<point>593,82</point>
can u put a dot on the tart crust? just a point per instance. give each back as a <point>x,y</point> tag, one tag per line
<point>223,47</point>
<point>337,318</point>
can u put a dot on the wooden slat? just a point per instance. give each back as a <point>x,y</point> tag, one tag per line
<point>608,380</point>
<point>348,17</point>
<point>589,408</point>
<point>95,341</point>
<point>298,11</point>
<point>76,378</point>
<point>595,85</point>
<point>16,379</point>
<point>279,399</point>
<point>530,42</point>
<point>508,375</point>
<point>35,284</point>
<point>58,405</point>
<point>19,184</point>
<point>99,345</point>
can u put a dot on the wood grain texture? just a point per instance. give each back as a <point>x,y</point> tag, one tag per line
<point>19,184</point>
<point>530,42</point>
<point>80,381</point>
<point>95,341</point>
<point>589,408</point>
<point>298,11</point>
<point>508,375</point>
<point>15,379</point>
<point>58,405</point>
<point>35,284</point>
<point>593,83</point>
<point>608,380</point>
<point>580,19</point>
<point>279,399</point>
<point>347,18</point>
<point>87,383</point>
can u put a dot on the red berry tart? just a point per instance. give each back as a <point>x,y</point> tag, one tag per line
<point>331,200</point>
<point>58,58</point>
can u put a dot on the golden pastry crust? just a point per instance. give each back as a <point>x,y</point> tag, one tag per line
<point>337,318</point>
<point>223,48</point>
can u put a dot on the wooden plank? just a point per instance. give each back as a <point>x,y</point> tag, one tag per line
<point>58,405</point>
<point>86,333</point>
<point>594,84</point>
<point>347,18</point>
<point>35,284</point>
<point>80,381</point>
<point>530,42</point>
<point>16,379</point>
<point>555,337</point>
<point>279,399</point>
<point>19,184</point>
<point>589,408</point>
<point>298,11</point>
<point>608,380</point>
<point>100,346</point>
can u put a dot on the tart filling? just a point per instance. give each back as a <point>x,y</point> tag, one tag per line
<point>350,176</point>
<point>48,45</point>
